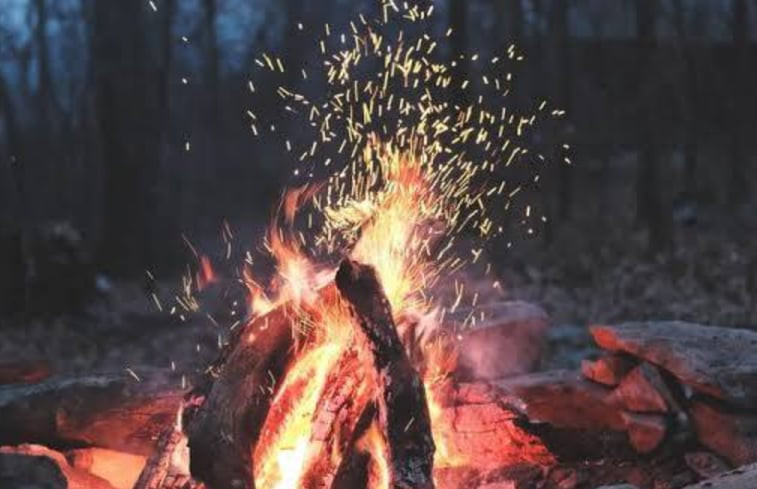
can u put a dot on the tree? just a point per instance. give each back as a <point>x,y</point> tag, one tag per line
<point>737,185</point>
<point>652,209</point>
<point>130,104</point>
<point>560,27</point>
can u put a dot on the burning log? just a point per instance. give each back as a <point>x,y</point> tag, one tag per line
<point>337,423</point>
<point>403,411</point>
<point>226,413</point>
<point>114,411</point>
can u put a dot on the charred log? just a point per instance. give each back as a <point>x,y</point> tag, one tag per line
<point>403,410</point>
<point>225,414</point>
<point>114,411</point>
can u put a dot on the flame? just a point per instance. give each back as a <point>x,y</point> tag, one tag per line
<point>408,189</point>
<point>205,275</point>
<point>373,443</point>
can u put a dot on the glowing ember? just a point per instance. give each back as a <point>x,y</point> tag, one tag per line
<point>418,171</point>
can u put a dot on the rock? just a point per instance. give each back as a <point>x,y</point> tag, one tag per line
<point>731,435</point>
<point>563,399</point>
<point>37,467</point>
<point>705,464</point>
<point>644,391</point>
<point>645,431</point>
<point>514,476</point>
<point>742,478</point>
<point>487,433</point>
<point>720,362</point>
<point>509,341</point>
<point>120,469</point>
<point>619,486</point>
<point>608,370</point>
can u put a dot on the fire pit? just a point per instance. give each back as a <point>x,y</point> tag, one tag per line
<point>352,370</point>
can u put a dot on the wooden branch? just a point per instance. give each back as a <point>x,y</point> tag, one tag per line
<point>113,410</point>
<point>403,410</point>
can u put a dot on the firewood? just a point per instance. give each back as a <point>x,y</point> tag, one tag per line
<point>226,413</point>
<point>122,411</point>
<point>403,410</point>
<point>336,422</point>
<point>168,467</point>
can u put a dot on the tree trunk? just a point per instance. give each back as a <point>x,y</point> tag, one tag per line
<point>738,175</point>
<point>129,115</point>
<point>652,208</point>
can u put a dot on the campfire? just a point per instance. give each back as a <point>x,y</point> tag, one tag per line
<point>354,368</point>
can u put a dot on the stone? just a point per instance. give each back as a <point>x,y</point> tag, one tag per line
<point>645,431</point>
<point>732,435</point>
<point>487,433</point>
<point>510,341</point>
<point>608,370</point>
<point>742,478</point>
<point>705,464</point>
<point>38,467</point>
<point>564,399</point>
<point>118,468</point>
<point>720,362</point>
<point>644,391</point>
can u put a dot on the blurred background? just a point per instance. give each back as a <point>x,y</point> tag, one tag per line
<point>123,137</point>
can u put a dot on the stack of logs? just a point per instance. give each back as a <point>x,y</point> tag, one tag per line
<point>665,405</point>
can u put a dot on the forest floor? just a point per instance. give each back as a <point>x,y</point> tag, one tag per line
<point>708,279</point>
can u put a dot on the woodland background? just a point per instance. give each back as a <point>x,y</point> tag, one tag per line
<point>123,131</point>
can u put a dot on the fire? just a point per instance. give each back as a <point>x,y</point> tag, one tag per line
<point>407,191</point>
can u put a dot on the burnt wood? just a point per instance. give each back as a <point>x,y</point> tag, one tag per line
<point>111,410</point>
<point>402,407</point>
<point>225,414</point>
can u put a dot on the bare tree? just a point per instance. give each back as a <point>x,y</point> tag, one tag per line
<point>130,115</point>
<point>653,210</point>
<point>560,27</point>
<point>737,185</point>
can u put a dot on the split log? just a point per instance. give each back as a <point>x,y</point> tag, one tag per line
<point>226,413</point>
<point>403,409</point>
<point>168,466</point>
<point>336,422</point>
<point>114,411</point>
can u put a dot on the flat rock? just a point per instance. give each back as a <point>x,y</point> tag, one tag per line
<point>731,435</point>
<point>705,464</point>
<point>564,399</point>
<point>645,431</point>
<point>487,433</point>
<point>608,370</point>
<point>37,467</point>
<point>644,391</point>
<point>720,362</point>
<point>509,341</point>
<point>742,478</point>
